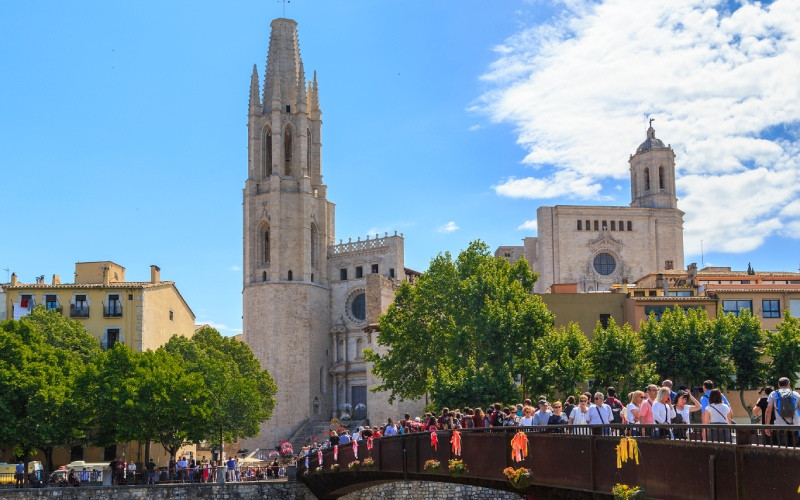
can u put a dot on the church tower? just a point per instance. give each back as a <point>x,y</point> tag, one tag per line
<point>653,174</point>
<point>288,226</point>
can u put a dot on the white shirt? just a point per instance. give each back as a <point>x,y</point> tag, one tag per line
<point>599,415</point>
<point>631,418</point>
<point>718,413</point>
<point>525,421</point>
<point>778,420</point>
<point>578,417</point>
<point>662,413</point>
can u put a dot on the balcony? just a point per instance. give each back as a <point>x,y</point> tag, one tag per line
<point>112,310</point>
<point>78,311</point>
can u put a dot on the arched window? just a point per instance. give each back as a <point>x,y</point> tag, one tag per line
<point>580,224</point>
<point>264,276</point>
<point>265,250</point>
<point>359,348</point>
<point>266,170</point>
<point>660,177</point>
<point>314,245</point>
<point>287,151</point>
<point>647,179</point>
<point>308,150</point>
<point>289,275</point>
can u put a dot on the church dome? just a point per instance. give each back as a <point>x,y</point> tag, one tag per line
<point>651,142</point>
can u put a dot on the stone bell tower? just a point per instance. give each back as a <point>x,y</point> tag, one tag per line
<point>288,226</point>
<point>653,174</point>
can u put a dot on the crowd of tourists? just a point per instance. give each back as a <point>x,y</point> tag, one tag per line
<point>655,405</point>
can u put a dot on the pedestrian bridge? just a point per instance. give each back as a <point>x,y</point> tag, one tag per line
<point>743,463</point>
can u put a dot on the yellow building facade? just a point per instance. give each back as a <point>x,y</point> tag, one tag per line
<point>140,314</point>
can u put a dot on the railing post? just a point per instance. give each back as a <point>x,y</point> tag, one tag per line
<point>712,487</point>
<point>405,458</point>
<point>592,454</point>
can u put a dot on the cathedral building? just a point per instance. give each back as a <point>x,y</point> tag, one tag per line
<point>307,301</point>
<point>597,246</point>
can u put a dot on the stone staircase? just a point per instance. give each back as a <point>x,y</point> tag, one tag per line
<point>314,427</point>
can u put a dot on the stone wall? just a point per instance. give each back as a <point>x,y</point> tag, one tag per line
<point>426,489</point>
<point>245,491</point>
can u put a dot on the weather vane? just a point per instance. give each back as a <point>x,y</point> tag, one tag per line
<point>284,2</point>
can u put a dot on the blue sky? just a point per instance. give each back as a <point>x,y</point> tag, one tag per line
<point>123,126</point>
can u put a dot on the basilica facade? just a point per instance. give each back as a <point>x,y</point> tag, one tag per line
<point>597,246</point>
<point>308,301</point>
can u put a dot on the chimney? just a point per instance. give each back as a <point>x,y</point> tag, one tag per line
<point>13,279</point>
<point>625,286</point>
<point>106,277</point>
<point>56,279</point>
<point>155,274</point>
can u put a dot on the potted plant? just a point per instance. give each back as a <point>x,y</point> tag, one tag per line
<point>354,465</point>
<point>334,468</point>
<point>368,463</point>
<point>625,492</point>
<point>457,467</point>
<point>519,478</point>
<point>432,465</point>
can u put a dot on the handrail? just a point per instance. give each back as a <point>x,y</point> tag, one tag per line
<point>583,459</point>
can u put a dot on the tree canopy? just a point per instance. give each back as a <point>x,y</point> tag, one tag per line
<point>462,332</point>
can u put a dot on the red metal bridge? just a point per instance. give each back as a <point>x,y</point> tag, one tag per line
<point>732,462</point>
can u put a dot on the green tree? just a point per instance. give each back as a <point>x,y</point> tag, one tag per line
<point>684,345</point>
<point>616,358</point>
<point>747,344</point>
<point>168,389</point>
<point>41,357</point>
<point>783,349</point>
<point>558,362</point>
<point>462,332</point>
<point>239,395</point>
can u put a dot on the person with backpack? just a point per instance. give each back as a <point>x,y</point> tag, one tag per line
<point>617,415</point>
<point>786,404</point>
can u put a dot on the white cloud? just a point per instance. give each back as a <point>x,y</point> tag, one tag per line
<point>721,84</point>
<point>474,128</point>
<point>529,225</point>
<point>236,268</point>
<point>448,228</point>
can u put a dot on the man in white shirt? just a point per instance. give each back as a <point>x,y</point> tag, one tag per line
<point>600,413</point>
<point>786,404</point>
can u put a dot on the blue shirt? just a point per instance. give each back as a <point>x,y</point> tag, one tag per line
<point>390,430</point>
<point>704,400</point>
<point>344,439</point>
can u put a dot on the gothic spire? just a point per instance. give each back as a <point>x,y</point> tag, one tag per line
<point>255,98</point>
<point>315,94</point>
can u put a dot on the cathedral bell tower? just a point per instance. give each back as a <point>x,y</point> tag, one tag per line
<point>653,174</point>
<point>288,226</point>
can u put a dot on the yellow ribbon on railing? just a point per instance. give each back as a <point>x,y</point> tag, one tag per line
<point>519,446</point>
<point>627,449</point>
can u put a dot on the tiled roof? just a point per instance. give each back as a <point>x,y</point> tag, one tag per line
<point>753,288</point>
<point>663,298</point>
<point>118,284</point>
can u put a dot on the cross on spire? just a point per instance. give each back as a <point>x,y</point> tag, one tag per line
<point>651,122</point>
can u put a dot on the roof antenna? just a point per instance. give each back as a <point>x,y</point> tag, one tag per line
<point>284,5</point>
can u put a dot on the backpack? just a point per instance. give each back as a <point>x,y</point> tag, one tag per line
<point>786,405</point>
<point>616,410</point>
<point>498,418</point>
